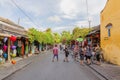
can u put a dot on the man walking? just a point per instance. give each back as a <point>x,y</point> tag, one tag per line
<point>55,53</point>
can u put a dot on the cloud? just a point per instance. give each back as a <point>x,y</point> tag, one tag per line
<point>54,19</point>
<point>69,8</point>
<point>64,12</point>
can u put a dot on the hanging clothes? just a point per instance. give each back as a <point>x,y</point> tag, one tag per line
<point>26,49</point>
<point>22,50</point>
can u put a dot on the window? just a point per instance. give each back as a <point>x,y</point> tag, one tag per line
<point>109,26</point>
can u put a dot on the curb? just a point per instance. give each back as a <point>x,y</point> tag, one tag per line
<point>98,72</point>
<point>95,71</point>
<point>15,71</point>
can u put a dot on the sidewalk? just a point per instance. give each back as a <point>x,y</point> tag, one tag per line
<point>8,68</point>
<point>108,71</point>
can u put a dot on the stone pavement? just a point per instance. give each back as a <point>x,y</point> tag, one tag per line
<point>8,68</point>
<point>108,71</point>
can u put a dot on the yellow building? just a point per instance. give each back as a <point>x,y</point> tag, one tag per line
<point>110,31</point>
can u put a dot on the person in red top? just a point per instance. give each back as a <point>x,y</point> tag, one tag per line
<point>55,53</point>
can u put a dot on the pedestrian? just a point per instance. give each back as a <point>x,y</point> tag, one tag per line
<point>55,53</point>
<point>76,51</point>
<point>81,53</point>
<point>88,54</point>
<point>66,54</point>
<point>93,55</point>
<point>98,54</point>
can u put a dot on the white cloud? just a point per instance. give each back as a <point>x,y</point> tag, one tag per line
<point>64,10</point>
<point>54,19</point>
<point>69,8</point>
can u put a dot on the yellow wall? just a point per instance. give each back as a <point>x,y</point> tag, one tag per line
<point>111,46</point>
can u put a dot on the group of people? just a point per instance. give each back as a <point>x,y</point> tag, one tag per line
<point>56,51</point>
<point>88,53</point>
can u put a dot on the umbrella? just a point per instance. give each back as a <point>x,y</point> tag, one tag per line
<point>79,39</point>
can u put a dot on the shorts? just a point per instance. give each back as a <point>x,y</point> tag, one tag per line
<point>98,57</point>
<point>81,57</point>
<point>66,55</point>
<point>88,57</point>
<point>55,55</point>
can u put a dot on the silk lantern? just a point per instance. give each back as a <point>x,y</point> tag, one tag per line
<point>13,62</point>
<point>5,48</point>
<point>5,39</point>
<point>0,60</point>
<point>13,38</point>
<point>5,55</point>
<point>13,47</point>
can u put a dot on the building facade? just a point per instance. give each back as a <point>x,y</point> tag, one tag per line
<point>8,29</point>
<point>110,31</point>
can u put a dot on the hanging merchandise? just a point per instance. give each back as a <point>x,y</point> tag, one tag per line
<point>5,39</point>
<point>5,48</point>
<point>13,38</point>
<point>26,49</point>
<point>19,43</point>
<point>13,62</point>
<point>1,52</point>
<point>13,47</point>
<point>22,50</point>
<point>5,55</point>
<point>1,60</point>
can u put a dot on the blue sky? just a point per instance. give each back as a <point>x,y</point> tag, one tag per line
<point>58,15</point>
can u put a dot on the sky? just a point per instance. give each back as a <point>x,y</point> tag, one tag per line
<point>58,15</point>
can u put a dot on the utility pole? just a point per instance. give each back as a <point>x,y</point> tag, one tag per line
<point>89,21</point>
<point>18,21</point>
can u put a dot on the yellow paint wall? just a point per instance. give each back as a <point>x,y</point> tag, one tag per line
<point>111,45</point>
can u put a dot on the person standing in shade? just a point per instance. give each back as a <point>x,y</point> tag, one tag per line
<point>81,53</point>
<point>98,54</point>
<point>66,54</point>
<point>88,54</point>
<point>55,53</point>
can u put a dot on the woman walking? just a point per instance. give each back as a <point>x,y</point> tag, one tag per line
<point>88,54</point>
<point>66,54</point>
<point>76,51</point>
<point>81,53</point>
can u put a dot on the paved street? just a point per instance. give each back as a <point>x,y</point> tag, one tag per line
<point>42,68</point>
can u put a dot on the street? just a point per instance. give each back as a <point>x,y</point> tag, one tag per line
<point>42,68</point>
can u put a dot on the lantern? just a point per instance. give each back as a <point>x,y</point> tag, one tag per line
<point>5,39</point>
<point>13,62</point>
<point>5,48</point>
<point>13,38</point>
<point>13,47</point>
<point>5,55</point>
<point>13,55</point>
<point>0,60</point>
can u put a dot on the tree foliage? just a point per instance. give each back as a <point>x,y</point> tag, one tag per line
<point>79,32</point>
<point>65,37</point>
<point>57,37</point>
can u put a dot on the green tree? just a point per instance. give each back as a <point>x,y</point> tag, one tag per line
<point>56,37</point>
<point>66,37</point>
<point>79,32</point>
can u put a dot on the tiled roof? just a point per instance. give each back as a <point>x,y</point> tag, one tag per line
<point>10,22</point>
